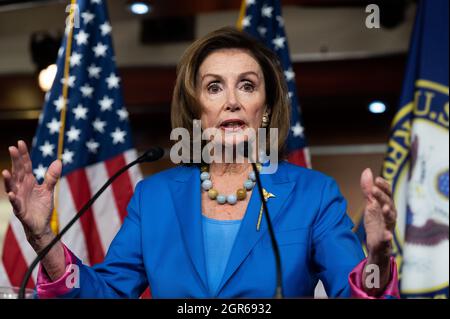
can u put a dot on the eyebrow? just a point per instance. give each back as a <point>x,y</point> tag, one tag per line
<point>240,75</point>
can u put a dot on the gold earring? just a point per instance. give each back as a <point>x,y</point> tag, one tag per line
<point>265,120</point>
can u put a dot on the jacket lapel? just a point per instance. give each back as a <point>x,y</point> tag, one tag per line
<point>185,189</point>
<point>248,235</point>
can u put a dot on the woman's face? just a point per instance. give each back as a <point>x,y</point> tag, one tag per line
<point>231,91</point>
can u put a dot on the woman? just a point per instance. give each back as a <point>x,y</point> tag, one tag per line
<point>195,231</point>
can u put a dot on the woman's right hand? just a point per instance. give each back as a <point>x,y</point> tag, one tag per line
<point>32,202</point>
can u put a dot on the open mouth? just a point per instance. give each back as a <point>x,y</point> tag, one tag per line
<point>232,125</point>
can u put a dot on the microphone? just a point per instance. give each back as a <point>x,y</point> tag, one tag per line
<point>151,155</point>
<point>276,250</point>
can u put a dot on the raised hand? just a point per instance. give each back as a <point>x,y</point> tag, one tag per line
<point>32,202</point>
<point>380,216</point>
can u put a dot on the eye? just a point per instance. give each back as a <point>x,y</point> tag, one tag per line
<point>248,86</point>
<point>214,88</point>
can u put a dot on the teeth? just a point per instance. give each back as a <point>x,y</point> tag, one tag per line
<point>233,124</point>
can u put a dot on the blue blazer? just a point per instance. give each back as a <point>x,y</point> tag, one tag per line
<point>160,243</point>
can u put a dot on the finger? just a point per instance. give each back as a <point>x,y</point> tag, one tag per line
<point>52,175</point>
<point>10,186</point>
<point>25,156</point>
<point>16,163</point>
<point>15,202</point>
<point>388,236</point>
<point>367,183</point>
<point>384,185</point>
<point>381,197</point>
<point>390,215</point>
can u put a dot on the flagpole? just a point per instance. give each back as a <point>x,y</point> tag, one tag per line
<point>241,15</point>
<point>65,90</point>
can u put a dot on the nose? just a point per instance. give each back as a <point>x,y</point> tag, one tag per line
<point>232,104</point>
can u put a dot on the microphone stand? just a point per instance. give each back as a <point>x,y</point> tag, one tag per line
<point>149,156</point>
<point>276,251</point>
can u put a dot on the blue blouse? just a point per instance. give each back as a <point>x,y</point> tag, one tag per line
<point>218,238</point>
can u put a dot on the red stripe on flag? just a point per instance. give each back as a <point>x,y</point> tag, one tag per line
<point>298,157</point>
<point>79,187</point>
<point>13,260</point>
<point>122,186</point>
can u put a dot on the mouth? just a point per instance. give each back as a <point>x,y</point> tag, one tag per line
<point>232,125</point>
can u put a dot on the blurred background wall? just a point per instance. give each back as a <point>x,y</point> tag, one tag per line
<point>341,67</point>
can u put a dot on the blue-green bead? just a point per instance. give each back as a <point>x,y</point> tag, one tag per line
<point>221,199</point>
<point>206,184</point>
<point>231,199</point>
<point>204,176</point>
<point>248,184</point>
<point>252,176</point>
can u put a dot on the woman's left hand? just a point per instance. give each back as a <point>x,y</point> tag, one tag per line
<point>380,216</point>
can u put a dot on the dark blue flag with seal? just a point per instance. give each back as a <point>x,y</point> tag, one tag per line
<point>417,159</point>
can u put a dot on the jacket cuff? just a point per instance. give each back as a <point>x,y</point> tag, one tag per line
<point>46,288</point>
<point>356,285</point>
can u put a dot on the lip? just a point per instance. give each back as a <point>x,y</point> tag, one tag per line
<point>240,125</point>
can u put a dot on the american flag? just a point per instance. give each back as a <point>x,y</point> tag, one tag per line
<point>263,20</point>
<point>97,142</point>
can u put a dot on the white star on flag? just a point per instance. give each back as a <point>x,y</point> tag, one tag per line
<point>123,114</point>
<point>81,37</point>
<point>100,50</point>
<point>47,149</point>
<point>87,17</point>
<point>99,125</point>
<point>96,1</point>
<point>278,42</point>
<point>87,90</point>
<point>59,103</point>
<point>70,81</point>
<point>73,134</point>
<point>94,71</point>
<point>113,81</point>
<point>246,21</point>
<point>262,31</point>
<point>75,59</point>
<point>60,51</point>
<point>297,129</point>
<point>92,146</point>
<point>289,74</point>
<point>67,157</point>
<point>80,112</point>
<point>41,118</point>
<point>54,125</point>
<point>106,103</point>
<point>280,21</point>
<point>39,172</point>
<point>105,28</point>
<point>249,2</point>
<point>266,11</point>
<point>118,136</point>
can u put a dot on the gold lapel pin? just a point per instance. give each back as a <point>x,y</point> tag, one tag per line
<point>266,195</point>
